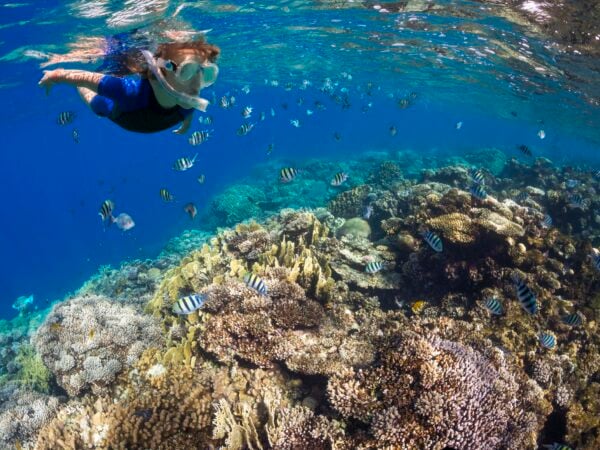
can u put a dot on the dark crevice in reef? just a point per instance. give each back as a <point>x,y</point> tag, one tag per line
<point>555,427</point>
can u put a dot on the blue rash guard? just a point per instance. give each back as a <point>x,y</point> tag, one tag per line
<point>130,103</point>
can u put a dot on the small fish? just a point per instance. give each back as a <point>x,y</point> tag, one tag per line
<point>524,149</point>
<point>418,306</point>
<point>493,305</point>
<point>65,118</point>
<point>575,319</point>
<point>255,282</point>
<point>183,164</point>
<point>309,112</point>
<point>246,89</point>
<point>433,240</point>
<point>224,102</point>
<point>272,112</point>
<point>478,191</point>
<point>56,327</point>
<point>18,445</point>
<point>75,135</point>
<point>337,136</point>
<point>412,95</point>
<point>577,201</point>
<point>393,131</point>
<point>477,176</point>
<point>295,123</point>
<point>201,178</point>
<point>245,129</point>
<point>287,174</point>
<point>270,148</point>
<point>367,212</point>
<point>572,183</point>
<point>547,340</point>
<point>263,116</point>
<point>91,333</point>
<point>374,266</point>
<point>320,106</point>
<point>205,120</point>
<point>106,209</point>
<point>339,179</point>
<point>458,125</point>
<point>188,304</point>
<point>145,414</point>
<point>546,221</point>
<point>557,446</point>
<point>541,134</point>
<point>247,112</point>
<point>596,260</point>
<point>198,137</point>
<point>300,101</point>
<point>166,195</point>
<point>522,197</point>
<point>124,222</point>
<point>190,208</point>
<point>526,296</point>
<point>403,103</point>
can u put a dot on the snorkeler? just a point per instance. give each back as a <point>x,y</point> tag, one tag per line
<point>160,91</point>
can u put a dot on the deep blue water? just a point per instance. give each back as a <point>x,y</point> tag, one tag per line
<point>52,238</point>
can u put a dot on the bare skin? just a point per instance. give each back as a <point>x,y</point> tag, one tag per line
<point>87,85</point>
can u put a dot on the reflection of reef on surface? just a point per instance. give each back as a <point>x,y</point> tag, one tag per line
<point>333,356</point>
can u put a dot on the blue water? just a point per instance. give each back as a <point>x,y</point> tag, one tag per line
<point>52,238</point>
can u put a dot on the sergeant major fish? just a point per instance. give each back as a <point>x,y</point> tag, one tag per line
<point>106,209</point>
<point>374,266</point>
<point>526,296</point>
<point>198,137</point>
<point>287,174</point>
<point>65,118</point>
<point>245,129</point>
<point>188,304</point>
<point>433,240</point>
<point>182,164</point>
<point>255,282</point>
<point>339,179</point>
<point>166,195</point>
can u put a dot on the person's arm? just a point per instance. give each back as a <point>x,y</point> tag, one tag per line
<point>77,78</point>
<point>185,125</point>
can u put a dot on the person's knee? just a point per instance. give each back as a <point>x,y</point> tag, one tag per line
<point>102,106</point>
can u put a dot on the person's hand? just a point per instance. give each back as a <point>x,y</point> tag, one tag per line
<point>49,79</point>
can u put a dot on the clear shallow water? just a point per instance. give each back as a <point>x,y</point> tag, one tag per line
<point>466,62</point>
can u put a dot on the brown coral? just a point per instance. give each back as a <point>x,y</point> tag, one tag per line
<point>455,227</point>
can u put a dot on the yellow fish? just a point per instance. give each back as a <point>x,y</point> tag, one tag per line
<point>18,445</point>
<point>92,333</point>
<point>418,306</point>
<point>56,327</point>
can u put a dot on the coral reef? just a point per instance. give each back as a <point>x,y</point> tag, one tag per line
<point>87,341</point>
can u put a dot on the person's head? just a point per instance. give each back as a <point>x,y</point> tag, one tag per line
<point>188,66</point>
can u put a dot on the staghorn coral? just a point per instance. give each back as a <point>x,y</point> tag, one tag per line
<point>87,341</point>
<point>32,373</point>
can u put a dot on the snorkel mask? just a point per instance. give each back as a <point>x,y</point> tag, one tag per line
<point>184,73</point>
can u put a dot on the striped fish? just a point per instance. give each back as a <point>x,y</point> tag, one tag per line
<point>224,102</point>
<point>570,183</point>
<point>477,176</point>
<point>418,306</point>
<point>202,178</point>
<point>547,340</point>
<point>65,118</point>
<point>106,209</point>
<point>374,266</point>
<point>557,446</point>
<point>524,149</point>
<point>198,137</point>
<point>245,129</point>
<point>522,197</point>
<point>189,304</point>
<point>166,195</point>
<point>184,163</point>
<point>577,201</point>
<point>287,174</point>
<point>205,120</point>
<point>433,240</point>
<point>339,179</point>
<point>478,192</point>
<point>493,305</point>
<point>255,282</point>
<point>547,221</point>
<point>247,112</point>
<point>525,295</point>
<point>575,319</point>
<point>596,260</point>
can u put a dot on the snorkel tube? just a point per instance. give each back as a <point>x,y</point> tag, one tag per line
<point>184,100</point>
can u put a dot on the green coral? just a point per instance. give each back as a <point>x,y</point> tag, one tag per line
<point>32,374</point>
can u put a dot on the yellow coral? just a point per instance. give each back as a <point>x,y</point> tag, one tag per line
<point>455,227</point>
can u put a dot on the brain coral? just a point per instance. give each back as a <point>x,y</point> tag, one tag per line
<point>87,341</point>
<point>434,393</point>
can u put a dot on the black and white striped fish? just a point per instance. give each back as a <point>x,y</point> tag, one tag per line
<point>374,266</point>
<point>434,241</point>
<point>524,149</point>
<point>205,120</point>
<point>574,319</point>
<point>245,129</point>
<point>547,340</point>
<point>526,296</point>
<point>182,164</point>
<point>339,179</point>
<point>199,137</point>
<point>522,197</point>
<point>596,260</point>
<point>166,195</point>
<point>188,304</point>
<point>547,221</point>
<point>287,174</point>
<point>224,102</point>
<point>577,201</point>
<point>106,209</point>
<point>493,305</point>
<point>478,191</point>
<point>557,446</point>
<point>247,112</point>
<point>65,118</point>
<point>255,282</point>
<point>477,176</point>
